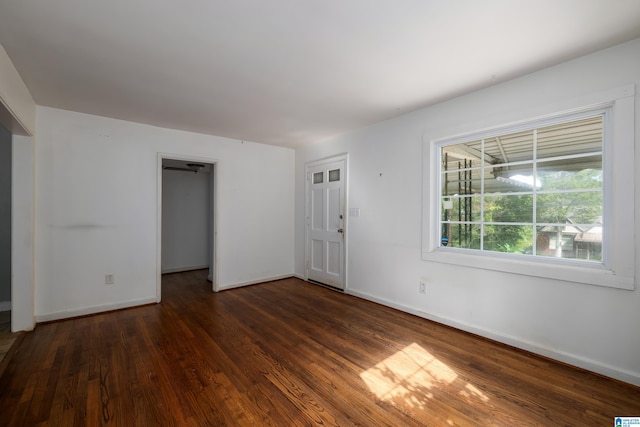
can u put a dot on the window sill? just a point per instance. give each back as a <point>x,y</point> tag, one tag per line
<point>548,268</point>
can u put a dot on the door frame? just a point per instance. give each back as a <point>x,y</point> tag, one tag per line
<point>307,180</point>
<point>214,231</point>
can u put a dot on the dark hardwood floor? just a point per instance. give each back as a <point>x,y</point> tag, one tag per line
<point>287,353</point>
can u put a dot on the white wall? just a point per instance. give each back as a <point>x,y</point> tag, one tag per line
<point>185,220</point>
<point>96,210</point>
<point>589,326</point>
<point>22,253</point>
<point>5,219</point>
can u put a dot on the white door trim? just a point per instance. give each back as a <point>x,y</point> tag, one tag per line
<point>214,189</point>
<point>307,166</point>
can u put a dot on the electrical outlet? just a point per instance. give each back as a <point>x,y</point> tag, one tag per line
<point>108,279</point>
<point>423,287</point>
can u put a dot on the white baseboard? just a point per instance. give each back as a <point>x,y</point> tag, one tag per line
<point>5,305</point>
<point>571,359</point>
<point>94,309</point>
<point>181,269</point>
<point>254,282</point>
<point>133,303</point>
<point>299,276</point>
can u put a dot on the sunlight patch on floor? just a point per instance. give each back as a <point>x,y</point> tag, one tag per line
<point>412,376</point>
<point>471,391</point>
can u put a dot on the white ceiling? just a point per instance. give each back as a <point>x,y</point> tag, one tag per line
<point>290,72</point>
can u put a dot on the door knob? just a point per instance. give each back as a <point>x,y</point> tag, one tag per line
<point>340,230</point>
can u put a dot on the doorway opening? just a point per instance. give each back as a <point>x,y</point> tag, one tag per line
<point>186,216</point>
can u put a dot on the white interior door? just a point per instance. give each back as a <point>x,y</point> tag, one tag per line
<point>325,223</point>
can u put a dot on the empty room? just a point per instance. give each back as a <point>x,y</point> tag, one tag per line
<point>409,212</point>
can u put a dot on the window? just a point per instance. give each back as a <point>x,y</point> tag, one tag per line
<point>549,197</point>
<point>535,192</point>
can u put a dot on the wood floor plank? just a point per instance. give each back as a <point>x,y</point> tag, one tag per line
<point>287,353</point>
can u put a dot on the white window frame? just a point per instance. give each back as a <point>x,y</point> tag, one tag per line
<point>618,267</point>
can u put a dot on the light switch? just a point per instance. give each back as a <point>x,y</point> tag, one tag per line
<point>354,211</point>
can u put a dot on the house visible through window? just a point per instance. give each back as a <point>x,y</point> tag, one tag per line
<point>536,191</point>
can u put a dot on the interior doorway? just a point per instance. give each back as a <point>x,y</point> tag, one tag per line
<point>186,216</point>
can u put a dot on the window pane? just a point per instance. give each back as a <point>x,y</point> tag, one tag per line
<point>588,245</point>
<point>513,147</point>
<point>571,174</point>
<point>508,179</point>
<point>576,137</point>
<point>566,241</point>
<point>576,208</point>
<point>461,235</point>
<point>461,156</point>
<point>334,175</point>
<point>515,239</point>
<point>317,177</point>
<point>460,209</point>
<point>461,182</point>
<point>542,180</point>
<point>518,208</point>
